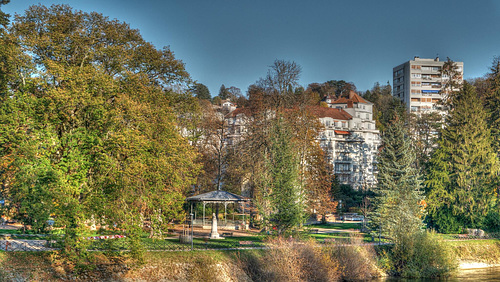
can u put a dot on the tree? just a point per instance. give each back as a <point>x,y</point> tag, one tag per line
<point>95,116</point>
<point>492,103</point>
<point>212,148</point>
<point>234,93</point>
<point>342,88</point>
<point>280,82</point>
<point>286,197</point>
<point>463,170</point>
<point>424,128</point>
<point>399,205</point>
<point>452,79</point>
<point>385,106</point>
<point>4,18</point>
<point>201,91</point>
<point>223,92</point>
<point>13,64</point>
<point>315,172</point>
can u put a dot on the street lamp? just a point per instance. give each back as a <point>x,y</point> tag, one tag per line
<point>192,237</point>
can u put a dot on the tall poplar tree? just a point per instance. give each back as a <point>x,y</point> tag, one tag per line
<point>399,200</point>
<point>287,197</point>
<point>463,169</point>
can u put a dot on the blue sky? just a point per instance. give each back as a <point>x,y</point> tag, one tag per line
<point>234,42</point>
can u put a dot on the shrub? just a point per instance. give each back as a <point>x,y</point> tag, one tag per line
<point>356,261</point>
<point>422,255</point>
<point>290,260</point>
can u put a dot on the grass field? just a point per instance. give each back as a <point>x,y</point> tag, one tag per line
<point>337,225</point>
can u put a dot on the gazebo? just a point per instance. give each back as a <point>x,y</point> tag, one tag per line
<point>218,197</point>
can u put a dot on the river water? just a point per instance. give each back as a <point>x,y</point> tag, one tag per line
<point>478,274</point>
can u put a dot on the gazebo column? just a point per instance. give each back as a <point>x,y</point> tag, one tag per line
<point>203,214</point>
<point>225,213</point>
<point>244,218</point>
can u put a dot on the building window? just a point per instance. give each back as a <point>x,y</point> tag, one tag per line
<point>416,75</point>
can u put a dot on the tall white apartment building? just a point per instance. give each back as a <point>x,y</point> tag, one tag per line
<point>419,83</point>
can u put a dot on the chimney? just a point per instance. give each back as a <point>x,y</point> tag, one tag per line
<point>436,59</point>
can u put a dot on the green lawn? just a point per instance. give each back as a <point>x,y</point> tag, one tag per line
<point>337,225</point>
<point>342,237</point>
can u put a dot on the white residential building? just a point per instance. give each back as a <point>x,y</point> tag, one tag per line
<point>419,84</point>
<point>349,139</point>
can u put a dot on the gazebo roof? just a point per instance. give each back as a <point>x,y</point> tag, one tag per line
<point>217,196</point>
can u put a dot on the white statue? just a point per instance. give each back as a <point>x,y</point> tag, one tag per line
<point>214,234</point>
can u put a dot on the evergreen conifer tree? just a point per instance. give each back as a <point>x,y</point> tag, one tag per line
<point>399,201</point>
<point>286,197</point>
<point>462,176</point>
<point>223,93</point>
<point>492,103</point>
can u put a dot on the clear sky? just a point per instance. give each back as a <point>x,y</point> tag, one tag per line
<point>234,42</point>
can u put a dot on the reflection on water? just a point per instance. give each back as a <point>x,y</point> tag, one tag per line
<point>479,274</point>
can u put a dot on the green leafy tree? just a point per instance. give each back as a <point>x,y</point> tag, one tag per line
<point>463,171</point>
<point>95,114</point>
<point>399,200</point>
<point>385,106</point>
<point>4,18</point>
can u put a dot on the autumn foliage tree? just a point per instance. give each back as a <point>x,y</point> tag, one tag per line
<point>90,130</point>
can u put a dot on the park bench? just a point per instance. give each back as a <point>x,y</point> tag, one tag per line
<point>227,234</point>
<point>246,243</point>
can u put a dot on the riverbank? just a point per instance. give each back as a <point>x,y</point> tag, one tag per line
<point>474,254</point>
<point>308,261</point>
<point>286,261</point>
<point>475,265</point>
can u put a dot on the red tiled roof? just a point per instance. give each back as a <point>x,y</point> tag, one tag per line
<point>322,112</point>
<point>353,97</point>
